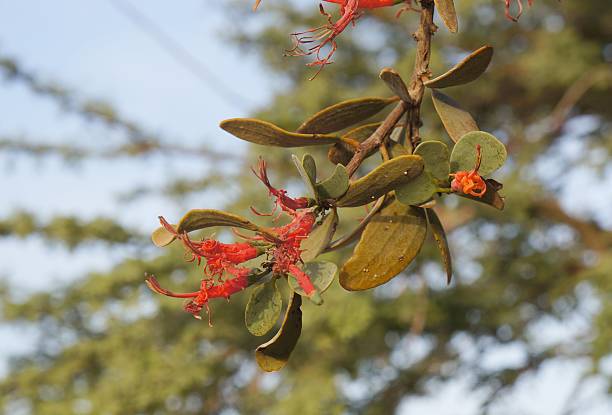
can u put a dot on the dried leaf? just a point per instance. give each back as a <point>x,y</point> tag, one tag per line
<point>263,309</point>
<point>381,180</point>
<point>343,115</point>
<point>162,237</point>
<point>274,354</point>
<point>320,237</point>
<point>390,242</point>
<point>440,236</point>
<point>446,9</point>
<point>321,274</point>
<point>491,196</point>
<point>335,185</point>
<point>197,219</point>
<point>455,119</point>
<point>465,71</point>
<point>265,133</point>
<point>493,151</point>
<point>395,83</point>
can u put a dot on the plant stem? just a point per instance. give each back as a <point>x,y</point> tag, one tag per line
<point>421,72</point>
<point>416,91</point>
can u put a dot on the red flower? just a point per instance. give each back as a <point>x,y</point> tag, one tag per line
<point>317,38</point>
<point>286,203</point>
<point>470,182</point>
<point>224,259</point>
<point>286,252</point>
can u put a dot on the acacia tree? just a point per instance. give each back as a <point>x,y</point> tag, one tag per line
<point>520,281</point>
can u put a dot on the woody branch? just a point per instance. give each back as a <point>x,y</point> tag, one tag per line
<point>416,90</point>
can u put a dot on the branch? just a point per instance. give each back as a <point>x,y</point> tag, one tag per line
<point>416,90</point>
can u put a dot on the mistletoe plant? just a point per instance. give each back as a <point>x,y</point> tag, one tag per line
<point>402,190</point>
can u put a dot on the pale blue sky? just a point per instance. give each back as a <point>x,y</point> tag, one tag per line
<point>91,47</point>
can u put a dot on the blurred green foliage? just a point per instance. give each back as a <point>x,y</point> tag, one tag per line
<point>111,346</point>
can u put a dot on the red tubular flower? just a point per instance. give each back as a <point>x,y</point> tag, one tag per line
<point>470,182</point>
<point>208,290</point>
<point>286,203</point>
<point>317,38</point>
<point>520,9</point>
<point>224,259</point>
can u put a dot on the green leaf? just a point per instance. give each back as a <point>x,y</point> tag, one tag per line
<point>197,219</point>
<point>384,178</point>
<point>390,242</point>
<point>436,156</point>
<point>465,71</point>
<point>321,274</point>
<point>265,133</point>
<point>463,157</point>
<point>344,114</point>
<point>274,354</point>
<point>491,196</point>
<point>263,309</point>
<point>305,176</point>
<point>320,237</point>
<point>440,236</point>
<point>418,191</point>
<point>446,9</point>
<point>395,83</point>
<point>455,119</point>
<point>308,162</point>
<point>162,237</point>
<point>335,185</point>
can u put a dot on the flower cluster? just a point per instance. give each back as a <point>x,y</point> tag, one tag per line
<point>470,182</point>
<point>222,260</point>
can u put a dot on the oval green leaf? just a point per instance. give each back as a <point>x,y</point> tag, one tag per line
<point>390,242</point>
<point>384,178</point>
<point>463,156</point>
<point>321,274</point>
<point>395,83</point>
<point>436,157</point>
<point>446,9</point>
<point>268,134</point>
<point>320,237</point>
<point>418,191</point>
<point>263,309</point>
<point>440,236</point>
<point>465,71</point>
<point>343,115</point>
<point>308,162</point>
<point>335,185</point>
<point>457,121</point>
<point>162,237</point>
<point>197,219</point>
<point>274,354</point>
<point>306,178</point>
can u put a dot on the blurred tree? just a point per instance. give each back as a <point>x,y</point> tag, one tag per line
<point>105,351</point>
